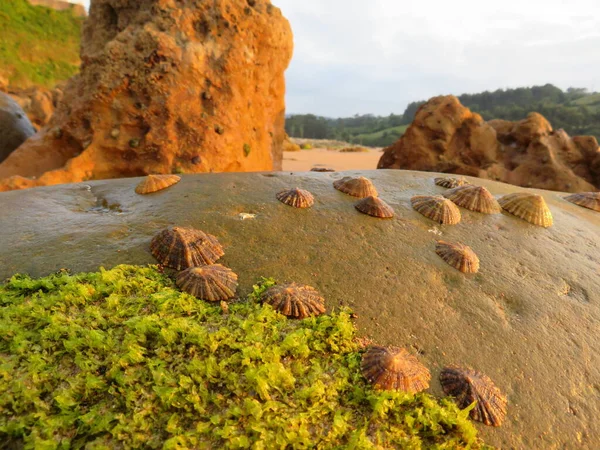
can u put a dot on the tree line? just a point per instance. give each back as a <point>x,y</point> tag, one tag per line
<point>575,110</point>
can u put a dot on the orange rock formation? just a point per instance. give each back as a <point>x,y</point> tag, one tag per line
<point>447,137</point>
<point>166,87</point>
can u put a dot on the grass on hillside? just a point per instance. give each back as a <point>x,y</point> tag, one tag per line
<point>38,45</point>
<point>121,359</point>
<point>383,137</point>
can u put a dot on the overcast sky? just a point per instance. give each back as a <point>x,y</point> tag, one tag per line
<point>376,56</point>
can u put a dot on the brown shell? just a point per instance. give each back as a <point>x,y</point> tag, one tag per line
<point>322,169</point>
<point>451,182</point>
<point>468,386</point>
<point>437,208</point>
<point>529,207</point>
<point>181,248</point>
<point>459,256</point>
<point>294,300</point>
<point>212,283</point>
<point>393,368</point>
<point>590,200</point>
<point>153,183</point>
<point>474,198</point>
<point>374,206</point>
<point>298,198</point>
<point>360,187</point>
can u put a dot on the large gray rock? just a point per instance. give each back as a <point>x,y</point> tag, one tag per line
<point>15,127</point>
<point>530,319</point>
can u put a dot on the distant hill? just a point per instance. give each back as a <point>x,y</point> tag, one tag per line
<point>575,110</point>
<point>38,45</point>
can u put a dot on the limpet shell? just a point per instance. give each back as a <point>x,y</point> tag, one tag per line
<point>437,208</point>
<point>294,300</point>
<point>322,169</point>
<point>450,182</point>
<point>180,248</point>
<point>154,183</point>
<point>459,256</point>
<point>374,206</point>
<point>393,368</point>
<point>529,207</point>
<point>360,187</point>
<point>474,198</point>
<point>212,283</point>
<point>468,386</point>
<point>590,200</point>
<point>298,198</point>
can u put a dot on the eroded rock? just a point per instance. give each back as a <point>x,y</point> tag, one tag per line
<point>196,86</point>
<point>15,127</point>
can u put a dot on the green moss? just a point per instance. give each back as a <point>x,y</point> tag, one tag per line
<point>39,45</point>
<point>246,150</point>
<point>121,359</point>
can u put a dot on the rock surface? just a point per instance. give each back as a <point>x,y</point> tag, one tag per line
<point>38,103</point>
<point>15,127</point>
<point>166,87</point>
<point>447,137</point>
<point>530,319</point>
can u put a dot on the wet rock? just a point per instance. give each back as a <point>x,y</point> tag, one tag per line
<point>15,127</point>
<point>529,319</point>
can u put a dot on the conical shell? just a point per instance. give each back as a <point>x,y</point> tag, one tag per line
<point>529,207</point>
<point>322,169</point>
<point>392,368</point>
<point>360,187</point>
<point>298,198</point>
<point>181,248</point>
<point>153,183</point>
<point>469,386</point>
<point>212,283</point>
<point>589,200</point>
<point>459,256</point>
<point>374,206</point>
<point>437,208</point>
<point>475,198</point>
<point>293,300</point>
<point>451,182</point>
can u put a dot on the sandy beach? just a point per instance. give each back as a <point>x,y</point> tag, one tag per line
<point>305,160</point>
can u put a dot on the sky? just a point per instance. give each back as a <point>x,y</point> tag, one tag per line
<point>376,56</point>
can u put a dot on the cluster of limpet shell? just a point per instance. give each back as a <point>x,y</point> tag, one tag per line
<point>474,198</point>
<point>294,300</point>
<point>298,198</point>
<point>360,187</point>
<point>393,368</point>
<point>155,183</point>
<point>590,200</point>
<point>459,256</point>
<point>448,182</point>
<point>529,207</point>
<point>437,208</point>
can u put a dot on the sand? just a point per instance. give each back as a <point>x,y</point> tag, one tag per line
<point>305,160</point>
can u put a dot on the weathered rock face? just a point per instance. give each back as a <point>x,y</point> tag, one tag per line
<point>15,127</point>
<point>166,86</point>
<point>447,137</point>
<point>38,103</point>
<point>530,319</point>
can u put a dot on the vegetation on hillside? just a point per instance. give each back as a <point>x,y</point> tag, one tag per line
<point>38,45</point>
<point>121,359</point>
<point>576,110</point>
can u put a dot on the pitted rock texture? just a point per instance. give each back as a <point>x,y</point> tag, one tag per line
<point>529,319</point>
<point>166,86</point>
<point>447,137</point>
<point>15,127</point>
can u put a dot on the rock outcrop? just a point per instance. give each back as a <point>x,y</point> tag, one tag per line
<point>166,87</point>
<point>447,137</point>
<point>15,127</point>
<point>529,319</point>
<point>38,103</point>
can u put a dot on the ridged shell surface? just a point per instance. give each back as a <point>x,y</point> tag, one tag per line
<point>322,169</point>
<point>474,198</point>
<point>450,182</point>
<point>468,386</point>
<point>393,368</point>
<point>360,187</point>
<point>459,256</point>
<point>590,200</point>
<point>295,300</point>
<point>154,183</point>
<point>180,248</point>
<point>213,283</point>
<point>437,208</point>
<point>374,206</point>
<point>529,207</point>
<point>298,198</point>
